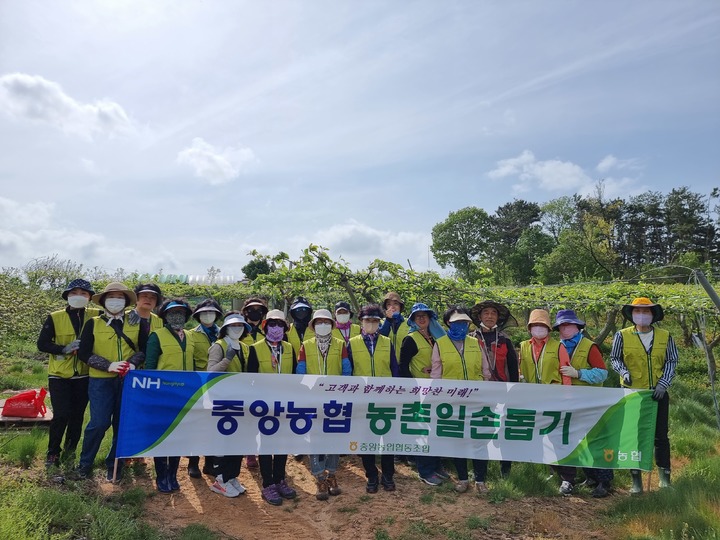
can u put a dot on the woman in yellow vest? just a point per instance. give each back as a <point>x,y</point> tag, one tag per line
<point>458,356</point>
<point>373,355</point>
<point>229,354</point>
<point>344,327</point>
<point>540,355</point>
<point>148,297</point>
<point>300,311</point>
<point>170,348</point>
<point>254,310</point>
<point>273,355</point>
<point>67,375</point>
<point>645,357</point>
<point>109,346</point>
<point>324,354</point>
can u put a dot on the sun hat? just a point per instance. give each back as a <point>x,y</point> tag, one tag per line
<point>504,320</point>
<point>392,295</point>
<point>277,315</point>
<point>207,305</point>
<point>343,305</point>
<point>299,303</point>
<point>173,303</point>
<point>234,318</point>
<point>321,314</point>
<point>567,316</point>
<point>77,284</point>
<point>115,286</point>
<point>371,311</point>
<point>539,316</point>
<point>420,307</point>
<point>149,288</point>
<point>643,302</point>
<point>459,316</point>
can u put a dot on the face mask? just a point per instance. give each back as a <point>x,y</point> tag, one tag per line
<point>642,319</point>
<point>301,314</point>
<point>568,331</point>
<point>114,305</point>
<point>234,332</point>
<point>323,329</point>
<point>370,326</point>
<point>78,301</point>
<point>254,314</point>
<point>175,320</point>
<point>539,332</point>
<point>342,318</point>
<point>457,330</point>
<point>485,327</point>
<point>208,317</point>
<point>274,333</point>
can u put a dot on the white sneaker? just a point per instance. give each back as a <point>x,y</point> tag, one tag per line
<point>234,482</point>
<point>224,488</point>
<point>566,488</point>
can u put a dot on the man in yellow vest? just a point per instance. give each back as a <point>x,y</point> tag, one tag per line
<point>149,297</point>
<point>67,375</point>
<point>645,357</point>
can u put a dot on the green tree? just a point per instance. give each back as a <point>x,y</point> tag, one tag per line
<point>461,241</point>
<point>507,227</point>
<point>256,267</point>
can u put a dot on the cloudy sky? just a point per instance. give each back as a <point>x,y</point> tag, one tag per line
<point>182,135</point>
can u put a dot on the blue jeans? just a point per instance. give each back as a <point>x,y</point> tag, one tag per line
<point>321,462</point>
<point>427,465</point>
<point>104,394</point>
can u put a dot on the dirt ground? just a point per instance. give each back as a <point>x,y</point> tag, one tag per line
<point>412,509</point>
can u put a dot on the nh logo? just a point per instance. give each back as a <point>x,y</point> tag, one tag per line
<point>146,382</point>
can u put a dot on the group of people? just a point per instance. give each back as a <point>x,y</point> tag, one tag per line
<point>91,348</point>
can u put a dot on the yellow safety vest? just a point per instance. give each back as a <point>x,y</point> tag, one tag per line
<point>314,364</point>
<point>466,366</point>
<point>110,346</point>
<point>264,356</point>
<point>375,365</point>
<point>645,367</point>
<point>423,358</point>
<point>580,360</point>
<point>547,368</point>
<point>173,357</point>
<point>68,366</point>
<point>235,366</point>
<point>294,337</point>
<point>397,336</point>
<point>201,346</point>
<point>354,331</point>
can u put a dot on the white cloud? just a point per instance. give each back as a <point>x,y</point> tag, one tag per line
<point>34,98</point>
<point>548,175</point>
<point>216,166</point>
<point>610,162</point>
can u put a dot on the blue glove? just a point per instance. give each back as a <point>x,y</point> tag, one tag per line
<point>659,392</point>
<point>133,317</point>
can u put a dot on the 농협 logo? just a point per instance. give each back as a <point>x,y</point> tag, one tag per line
<point>146,383</point>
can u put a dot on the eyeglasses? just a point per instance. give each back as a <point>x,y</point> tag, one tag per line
<point>274,323</point>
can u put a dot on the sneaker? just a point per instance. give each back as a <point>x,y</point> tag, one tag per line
<point>251,462</point>
<point>223,488</point>
<point>271,495</point>
<point>323,490</point>
<point>566,488</point>
<point>285,491</point>
<point>117,476</point>
<point>481,488</point>
<point>388,484</point>
<point>372,485</point>
<point>600,491</point>
<point>52,460</point>
<point>432,480</point>
<point>234,482</point>
<point>442,473</point>
<point>590,483</point>
<point>194,471</point>
<point>82,473</point>
<point>461,486</point>
<point>332,484</point>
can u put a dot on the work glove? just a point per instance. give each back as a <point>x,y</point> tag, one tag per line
<point>659,392</point>
<point>118,367</point>
<point>71,347</point>
<point>133,317</point>
<point>230,353</point>
<point>627,380</point>
<point>570,371</point>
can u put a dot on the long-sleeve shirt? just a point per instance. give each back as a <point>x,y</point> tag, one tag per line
<point>671,359</point>
<point>46,339</point>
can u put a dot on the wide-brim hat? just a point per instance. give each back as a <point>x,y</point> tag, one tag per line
<point>420,307</point>
<point>504,320</point>
<point>254,301</point>
<point>643,302</point>
<point>299,303</point>
<point>567,316</point>
<point>459,316</point>
<point>115,286</point>
<point>77,284</point>
<point>276,315</point>
<point>539,316</point>
<point>321,314</point>
<point>236,318</point>
<point>174,304</point>
<point>392,295</point>
<point>207,305</point>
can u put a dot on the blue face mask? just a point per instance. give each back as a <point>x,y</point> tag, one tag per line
<point>458,330</point>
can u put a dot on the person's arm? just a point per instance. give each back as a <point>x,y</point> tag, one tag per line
<point>85,352</point>
<point>513,366</point>
<point>408,350</point>
<point>597,372</point>
<point>153,351</point>
<point>347,367</point>
<point>46,339</point>
<point>616,356</point>
<point>216,359</point>
<point>671,360</point>
<point>436,370</point>
<point>386,327</point>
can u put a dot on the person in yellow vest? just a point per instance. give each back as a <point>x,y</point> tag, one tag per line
<point>458,356</point>
<point>373,355</point>
<point>584,367</point>
<point>394,325</point>
<point>171,348</point>
<point>645,357</point>
<point>300,311</point>
<point>273,355</point>
<point>344,327</point>
<point>540,355</point>
<point>324,354</point>
<point>109,346</point>
<point>229,354</point>
<point>254,310</point>
<point>149,297</point>
<point>207,312</point>
<point>416,362</point>
<point>67,375</point>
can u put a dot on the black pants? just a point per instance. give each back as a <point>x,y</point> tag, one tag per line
<point>272,469</point>
<point>479,468</point>
<point>662,442</point>
<point>228,466</point>
<point>387,464</point>
<point>69,399</point>
<point>482,467</point>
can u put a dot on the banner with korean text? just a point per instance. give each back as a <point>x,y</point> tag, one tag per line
<point>175,413</point>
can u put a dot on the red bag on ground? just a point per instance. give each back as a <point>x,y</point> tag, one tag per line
<point>27,404</point>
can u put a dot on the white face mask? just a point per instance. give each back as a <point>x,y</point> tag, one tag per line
<point>78,301</point>
<point>539,332</point>
<point>642,319</point>
<point>114,305</point>
<point>342,318</point>
<point>234,332</point>
<point>207,317</point>
<point>370,326</point>
<point>323,329</point>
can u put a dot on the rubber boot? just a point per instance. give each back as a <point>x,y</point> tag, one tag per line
<point>194,467</point>
<point>637,487</point>
<point>664,477</point>
<point>173,465</point>
<point>161,473</point>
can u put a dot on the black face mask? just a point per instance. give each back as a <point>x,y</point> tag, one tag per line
<point>301,314</point>
<point>254,314</point>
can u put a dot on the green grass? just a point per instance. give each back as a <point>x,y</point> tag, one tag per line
<point>20,448</point>
<point>477,522</point>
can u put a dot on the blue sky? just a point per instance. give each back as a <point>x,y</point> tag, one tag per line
<point>182,135</point>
